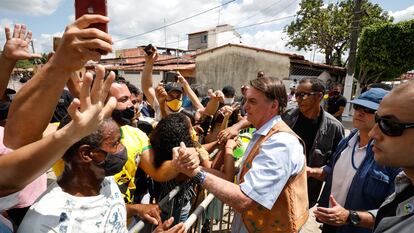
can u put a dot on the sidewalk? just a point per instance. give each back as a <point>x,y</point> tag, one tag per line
<point>311,225</point>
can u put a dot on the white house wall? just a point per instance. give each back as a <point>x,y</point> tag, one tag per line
<point>237,66</point>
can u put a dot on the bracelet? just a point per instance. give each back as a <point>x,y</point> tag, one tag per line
<point>228,147</point>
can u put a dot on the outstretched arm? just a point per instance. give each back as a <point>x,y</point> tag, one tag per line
<point>190,93</point>
<point>22,166</point>
<point>36,101</point>
<point>146,79</point>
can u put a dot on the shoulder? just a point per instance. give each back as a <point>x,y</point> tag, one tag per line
<point>290,114</point>
<point>283,141</point>
<point>332,121</point>
<point>128,130</point>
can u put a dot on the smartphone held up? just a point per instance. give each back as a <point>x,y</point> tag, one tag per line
<point>98,7</point>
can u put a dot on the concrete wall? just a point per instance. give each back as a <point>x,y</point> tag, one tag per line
<point>194,41</point>
<point>237,66</point>
<point>135,77</point>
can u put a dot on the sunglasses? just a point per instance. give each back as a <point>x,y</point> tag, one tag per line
<point>391,127</point>
<point>304,95</point>
<point>364,109</point>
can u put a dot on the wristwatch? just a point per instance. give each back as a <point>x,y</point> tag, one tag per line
<point>200,177</point>
<point>353,218</point>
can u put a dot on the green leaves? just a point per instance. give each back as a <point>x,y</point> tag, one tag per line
<point>328,26</point>
<point>386,51</point>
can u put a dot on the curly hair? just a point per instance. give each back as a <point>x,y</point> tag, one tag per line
<point>168,133</point>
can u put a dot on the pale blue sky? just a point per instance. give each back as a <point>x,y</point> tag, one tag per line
<point>130,17</point>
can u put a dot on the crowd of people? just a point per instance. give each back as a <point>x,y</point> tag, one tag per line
<point>118,149</point>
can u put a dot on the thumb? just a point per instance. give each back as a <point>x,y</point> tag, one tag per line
<point>152,220</point>
<point>333,201</point>
<point>167,223</point>
<point>183,148</point>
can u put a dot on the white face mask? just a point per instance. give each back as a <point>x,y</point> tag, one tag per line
<point>228,101</point>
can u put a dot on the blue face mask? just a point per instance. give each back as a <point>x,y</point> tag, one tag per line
<point>114,163</point>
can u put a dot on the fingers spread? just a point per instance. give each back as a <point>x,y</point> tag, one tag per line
<point>84,94</point>
<point>16,31</point>
<point>7,32</point>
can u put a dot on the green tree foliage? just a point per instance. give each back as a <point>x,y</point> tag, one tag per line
<point>30,63</point>
<point>328,27</point>
<point>385,51</point>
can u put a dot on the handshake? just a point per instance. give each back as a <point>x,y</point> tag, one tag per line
<point>186,160</point>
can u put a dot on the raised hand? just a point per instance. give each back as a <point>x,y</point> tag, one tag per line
<point>160,93</point>
<point>17,45</point>
<point>89,111</point>
<point>227,133</point>
<point>80,44</point>
<point>153,57</point>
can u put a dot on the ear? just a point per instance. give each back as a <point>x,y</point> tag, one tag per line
<point>275,104</point>
<point>86,154</point>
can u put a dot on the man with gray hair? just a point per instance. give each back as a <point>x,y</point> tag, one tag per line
<point>272,175</point>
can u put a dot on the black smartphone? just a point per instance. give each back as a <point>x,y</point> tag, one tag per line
<point>98,7</point>
<point>149,49</point>
<point>170,77</point>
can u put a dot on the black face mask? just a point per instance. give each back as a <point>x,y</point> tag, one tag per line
<point>124,117</point>
<point>336,92</point>
<point>114,163</point>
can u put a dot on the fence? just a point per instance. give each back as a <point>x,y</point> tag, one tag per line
<point>196,222</point>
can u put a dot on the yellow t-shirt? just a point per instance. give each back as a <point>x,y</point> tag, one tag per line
<point>136,142</point>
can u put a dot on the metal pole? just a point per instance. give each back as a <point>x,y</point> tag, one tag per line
<point>140,225</point>
<point>198,211</point>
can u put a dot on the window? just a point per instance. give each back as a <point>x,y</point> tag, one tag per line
<point>204,39</point>
<point>132,72</point>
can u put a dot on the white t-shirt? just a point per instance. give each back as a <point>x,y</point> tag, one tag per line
<point>58,211</point>
<point>344,172</point>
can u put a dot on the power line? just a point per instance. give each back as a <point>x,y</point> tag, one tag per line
<point>251,25</point>
<point>176,22</point>
<point>251,16</point>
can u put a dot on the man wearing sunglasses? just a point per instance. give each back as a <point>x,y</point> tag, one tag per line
<point>355,183</point>
<point>320,131</point>
<point>393,136</point>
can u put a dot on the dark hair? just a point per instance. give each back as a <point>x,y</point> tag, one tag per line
<point>133,89</point>
<point>189,114</point>
<point>380,85</point>
<point>316,84</point>
<point>94,139</point>
<point>229,91</point>
<point>273,88</point>
<point>168,133</point>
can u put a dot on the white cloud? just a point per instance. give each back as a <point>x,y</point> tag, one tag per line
<point>133,18</point>
<point>30,7</point>
<point>276,41</point>
<point>403,15</point>
<point>3,24</point>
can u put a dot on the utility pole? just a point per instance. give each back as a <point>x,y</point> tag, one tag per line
<point>165,33</point>
<point>352,54</point>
